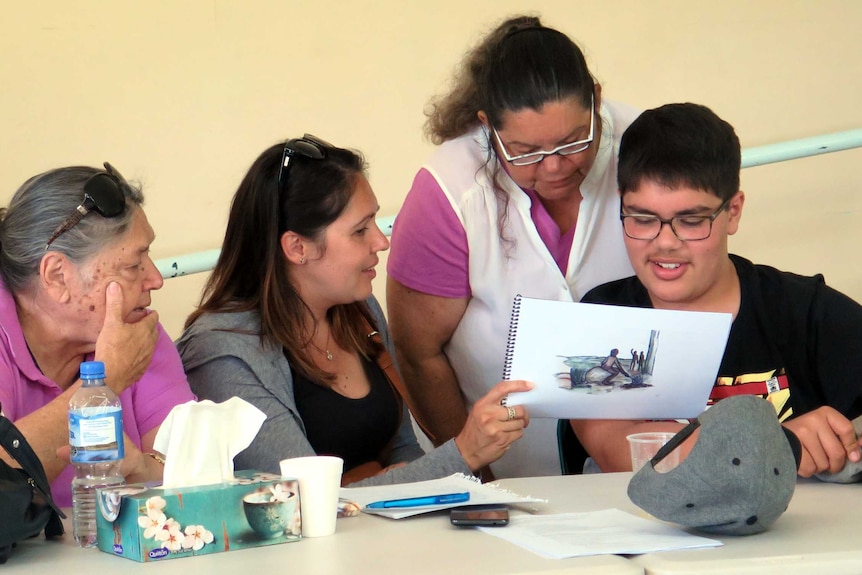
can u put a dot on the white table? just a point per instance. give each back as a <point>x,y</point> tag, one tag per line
<point>821,531</point>
<point>364,544</point>
<point>818,533</point>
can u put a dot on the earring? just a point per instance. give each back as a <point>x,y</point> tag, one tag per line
<point>302,260</point>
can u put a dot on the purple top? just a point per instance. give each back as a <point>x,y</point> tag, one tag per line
<point>24,388</point>
<point>428,225</point>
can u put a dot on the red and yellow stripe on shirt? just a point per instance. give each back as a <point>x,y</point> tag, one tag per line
<point>770,385</point>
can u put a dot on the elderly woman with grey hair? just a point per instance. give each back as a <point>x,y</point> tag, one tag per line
<point>75,282</point>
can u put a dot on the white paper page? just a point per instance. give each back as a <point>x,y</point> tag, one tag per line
<point>456,483</point>
<point>607,532</point>
<point>557,343</point>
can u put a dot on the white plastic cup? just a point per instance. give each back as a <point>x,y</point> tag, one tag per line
<point>645,445</point>
<point>319,478</point>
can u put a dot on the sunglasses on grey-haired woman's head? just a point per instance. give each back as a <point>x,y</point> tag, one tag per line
<point>103,194</point>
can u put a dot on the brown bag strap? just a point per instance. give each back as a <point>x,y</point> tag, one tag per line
<point>384,360</point>
<point>372,468</point>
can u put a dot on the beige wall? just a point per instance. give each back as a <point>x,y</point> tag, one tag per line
<point>183,94</point>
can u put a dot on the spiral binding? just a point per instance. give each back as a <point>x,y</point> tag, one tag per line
<point>510,341</point>
<point>494,486</point>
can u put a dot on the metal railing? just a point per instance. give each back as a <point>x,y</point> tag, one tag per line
<point>793,149</point>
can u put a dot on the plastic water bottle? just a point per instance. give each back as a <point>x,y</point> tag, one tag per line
<point>96,437</point>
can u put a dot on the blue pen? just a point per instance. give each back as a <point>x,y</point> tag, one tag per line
<point>421,501</point>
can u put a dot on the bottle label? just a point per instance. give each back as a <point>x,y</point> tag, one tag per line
<point>96,434</point>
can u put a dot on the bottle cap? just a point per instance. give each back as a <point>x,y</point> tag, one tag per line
<point>92,370</point>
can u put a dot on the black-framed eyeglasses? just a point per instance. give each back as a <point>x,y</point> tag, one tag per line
<point>689,228</point>
<point>307,146</point>
<point>103,194</point>
<point>564,150</point>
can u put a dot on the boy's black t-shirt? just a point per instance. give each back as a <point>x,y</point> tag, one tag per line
<point>795,340</point>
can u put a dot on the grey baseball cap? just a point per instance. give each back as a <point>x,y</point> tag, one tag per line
<point>737,479</point>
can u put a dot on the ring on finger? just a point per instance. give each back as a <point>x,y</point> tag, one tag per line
<point>512,413</point>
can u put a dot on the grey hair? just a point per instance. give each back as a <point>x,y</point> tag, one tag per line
<point>38,208</point>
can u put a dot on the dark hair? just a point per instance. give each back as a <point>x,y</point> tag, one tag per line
<point>38,208</point>
<point>520,64</point>
<point>680,145</point>
<point>252,272</point>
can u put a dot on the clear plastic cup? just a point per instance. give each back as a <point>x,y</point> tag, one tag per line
<point>645,445</point>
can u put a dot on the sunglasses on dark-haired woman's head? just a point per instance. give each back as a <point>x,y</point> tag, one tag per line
<point>103,194</point>
<point>307,146</point>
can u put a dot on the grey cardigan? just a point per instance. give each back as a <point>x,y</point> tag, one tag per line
<point>224,357</point>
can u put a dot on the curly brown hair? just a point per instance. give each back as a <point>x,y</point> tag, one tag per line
<point>519,64</point>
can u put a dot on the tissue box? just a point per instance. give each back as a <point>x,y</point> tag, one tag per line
<point>147,523</point>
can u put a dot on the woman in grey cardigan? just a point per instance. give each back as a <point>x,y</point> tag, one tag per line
<point>288,323</point>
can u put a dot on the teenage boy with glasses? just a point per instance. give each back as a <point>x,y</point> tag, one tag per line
<point>794,340</point>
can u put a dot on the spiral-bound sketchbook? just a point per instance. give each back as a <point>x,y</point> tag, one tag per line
<point>591,361</point>
<point>480,493</point>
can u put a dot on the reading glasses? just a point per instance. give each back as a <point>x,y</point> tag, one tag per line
<point>564,150</point>
<point>688,228</point>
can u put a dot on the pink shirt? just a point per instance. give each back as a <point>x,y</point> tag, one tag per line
<point>24,388</point>
<point>427,225</point>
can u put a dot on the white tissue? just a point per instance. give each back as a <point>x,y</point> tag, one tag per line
<point>200,439</point>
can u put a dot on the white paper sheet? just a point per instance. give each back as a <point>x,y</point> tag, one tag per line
<point>606,532</point>
<point>561,346</point>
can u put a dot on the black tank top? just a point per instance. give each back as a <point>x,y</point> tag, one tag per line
<point>354,429</point>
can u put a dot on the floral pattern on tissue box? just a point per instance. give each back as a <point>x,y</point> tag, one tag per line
<point>147,523</point>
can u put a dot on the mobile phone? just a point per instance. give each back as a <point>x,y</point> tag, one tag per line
<point>493,515</point>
